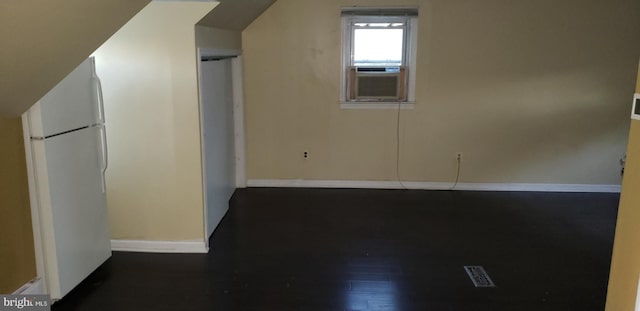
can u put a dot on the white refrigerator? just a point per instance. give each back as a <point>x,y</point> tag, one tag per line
<point>67,160</point>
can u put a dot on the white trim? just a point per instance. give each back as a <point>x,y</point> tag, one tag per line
<point>34,203</point>
<point>412,57</point>
<point>366,184</point>
<point>377,105</point>
<point>202,147</point>
<point>203,162</point>
<point>33,287</point>
<point>238,121</point>
<point>159,246</point>
<point>345,59</point>
<point>215,52</point>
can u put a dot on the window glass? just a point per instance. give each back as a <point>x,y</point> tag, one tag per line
<point>378,46</point>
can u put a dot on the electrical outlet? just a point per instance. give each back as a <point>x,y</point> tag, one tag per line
<point>305,154</point>
<point>459,155</point>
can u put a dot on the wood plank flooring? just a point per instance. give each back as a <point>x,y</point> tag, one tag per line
<point>393,250</point>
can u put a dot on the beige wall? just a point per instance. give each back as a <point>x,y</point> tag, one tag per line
<point>42,41</point>
<point>148,73</point>
<point>528,91</point>
<point>214,38</point>
<point>625,263</point>
<point>17,257</point>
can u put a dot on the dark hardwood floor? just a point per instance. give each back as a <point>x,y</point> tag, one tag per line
<point>332,249</point>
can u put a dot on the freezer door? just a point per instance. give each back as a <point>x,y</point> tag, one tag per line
<point>73,103</point>
<point>73,205</point>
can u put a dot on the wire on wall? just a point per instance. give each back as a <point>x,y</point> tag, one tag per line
<point>398,148</point>
<point>459,159</point>
<point>455,183</point>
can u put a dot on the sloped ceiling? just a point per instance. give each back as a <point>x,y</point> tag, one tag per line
<point>42,41</point>
<point>235,14</point>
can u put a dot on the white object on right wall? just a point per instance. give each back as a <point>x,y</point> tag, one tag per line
<point>635,110</point>
<point>637,308</point>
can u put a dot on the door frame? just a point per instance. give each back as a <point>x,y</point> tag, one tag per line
<point>238,123</point>
<point>39,286</point>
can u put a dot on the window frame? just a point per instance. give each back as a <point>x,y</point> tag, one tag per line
<point>408,59</point>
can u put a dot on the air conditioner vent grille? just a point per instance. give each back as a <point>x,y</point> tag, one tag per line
<point>383,86</point>
<point>377,84</point>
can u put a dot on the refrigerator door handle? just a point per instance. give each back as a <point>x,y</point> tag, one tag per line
<point>105,156</point>
<point>98,90</point>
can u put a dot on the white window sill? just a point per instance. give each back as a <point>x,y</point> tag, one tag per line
<point>376,105</point>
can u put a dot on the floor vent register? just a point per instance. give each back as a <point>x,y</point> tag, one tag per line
<point>478,276</point>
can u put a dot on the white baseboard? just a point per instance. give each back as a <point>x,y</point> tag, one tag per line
<point>365,184</point>
<point>159,246</point>
<point>33,287</point>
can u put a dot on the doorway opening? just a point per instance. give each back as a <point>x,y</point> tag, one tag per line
<point>221,131</point>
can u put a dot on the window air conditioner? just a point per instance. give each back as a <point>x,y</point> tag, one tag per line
<point>377,84</point>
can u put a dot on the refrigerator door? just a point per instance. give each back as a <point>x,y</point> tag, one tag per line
<point>73,103</point>
<point>72,206</point>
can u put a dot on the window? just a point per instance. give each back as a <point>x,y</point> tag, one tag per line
<point>378,55</point>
